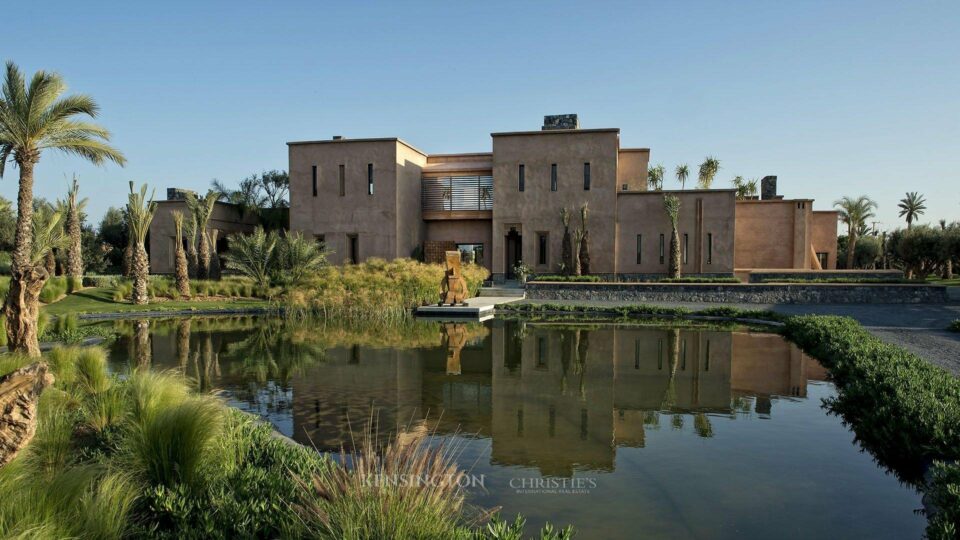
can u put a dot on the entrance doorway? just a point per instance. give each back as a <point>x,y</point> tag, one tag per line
<point>514,251</point>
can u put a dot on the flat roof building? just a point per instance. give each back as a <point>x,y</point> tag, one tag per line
<point>385,198</point>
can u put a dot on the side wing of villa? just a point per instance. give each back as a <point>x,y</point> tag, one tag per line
<point>385,198</point>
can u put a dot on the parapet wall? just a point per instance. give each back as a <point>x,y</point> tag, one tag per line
<point>746,293</point>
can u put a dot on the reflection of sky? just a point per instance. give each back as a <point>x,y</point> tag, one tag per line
<point>737,446</point>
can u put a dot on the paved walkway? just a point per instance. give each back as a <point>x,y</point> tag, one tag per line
<point>917,327</point>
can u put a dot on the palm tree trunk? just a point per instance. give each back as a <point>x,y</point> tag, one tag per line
<point>183,344</point>
<point>192,259</point>
<point>851,248</point>
<point>585,253</point>
<point>675,253</point>
<point>141,344</point>
<point>141,273</point>
<point>127,264</point>
<point>22,305</point>
<point>181,272</point>
<point>203,269</point>
<point>75,249</point>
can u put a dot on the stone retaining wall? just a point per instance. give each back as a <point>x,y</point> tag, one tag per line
<point>760,276</point>
<point>747,293</point>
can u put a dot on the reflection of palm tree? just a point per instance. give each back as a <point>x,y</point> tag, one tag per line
<point>270,352</point>
<point>673,351</point>
<point>701,423</point>
<point>183,343</point>
<point>141,343</point>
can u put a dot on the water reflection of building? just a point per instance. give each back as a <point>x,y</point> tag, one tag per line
<point>558,397</point>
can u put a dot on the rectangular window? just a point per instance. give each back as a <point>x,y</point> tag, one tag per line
<point>553,177</point>
<point>541,352</point>
<point>369,178</point>
<point>636,354</point>
<point>661,249</point>
<point>709,248</point>
<point>313,173</point>
<point>542,243</point>
<point>521,177</point>
<point>321,240</point>
<point>824,259</point>
<point>686,246</point>
<point>586,177</point>
<point>660,354</point>
<point>639,249</point>
<point>343,180</point>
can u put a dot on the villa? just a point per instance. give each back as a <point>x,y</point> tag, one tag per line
<point>385,198</point>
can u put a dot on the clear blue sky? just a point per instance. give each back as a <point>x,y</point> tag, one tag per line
<point>836,98</point>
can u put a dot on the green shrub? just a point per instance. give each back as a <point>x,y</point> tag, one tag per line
<point>54,289</point>
<point>6,260</point>
<point>101,281</point>
<point>698,279</point>
<point>954,326</point>
<point>944,493</point>
<point>572,279</point>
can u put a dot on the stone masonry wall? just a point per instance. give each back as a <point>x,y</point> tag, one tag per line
<point>740,293</point>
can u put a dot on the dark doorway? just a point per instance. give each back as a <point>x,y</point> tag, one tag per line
<point>514,251</point>
<point>353,252</point>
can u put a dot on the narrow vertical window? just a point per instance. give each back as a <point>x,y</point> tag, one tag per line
<point>369,178</point>
<point>542,243</point>
<point>683,355</point>
<point>709,248</point>
<point>661,248</point>
<point>343,180</point>
<point>353,253</point>
<point>636,354</point>
<point>686,245</point>
<point>660,353</point>
<point>639,249</point>
<point>553,177</point>
<point>521,177</point>
<point>706,366</point>
<point>541,352</point>
<point>313,173</point>
<point>586,177</point>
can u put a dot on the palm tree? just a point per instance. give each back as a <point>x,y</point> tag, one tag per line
<point>140,210</point>
<point>745,188</point>
<point>948,258</point>
<point>74,209</point>
<point>180,271</point>
<point>202,209</point>
<point>300,257</point>
<point>708,170</point>
<point>655,177</point>
<point>854,213</point>
<point>252,255</point>
<point>32,120</point>
<point>584,241</point>
<point>671,203</point>
<point>683,172</point>
<point>567,244</point>
<point>912,206</point>
<point>192,256</point>
<point>214,270</point>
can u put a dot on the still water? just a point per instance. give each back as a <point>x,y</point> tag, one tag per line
<point>623,431</point>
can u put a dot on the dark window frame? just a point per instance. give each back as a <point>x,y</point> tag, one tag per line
<point>543,248</point>
<point>586,176</point>
<point>709,248</point>
<point>553,177</point>
<point>313,172</point>
<point>639,249</point>
<point>342,177</point>
<point>686,247</point>
<point>369,178</point>
<point>521,177</point>
<point>661,248</point>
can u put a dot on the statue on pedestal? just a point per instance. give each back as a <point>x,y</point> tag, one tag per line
<point>453,286</point>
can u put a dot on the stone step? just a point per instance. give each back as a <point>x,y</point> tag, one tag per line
<point>510,292</point>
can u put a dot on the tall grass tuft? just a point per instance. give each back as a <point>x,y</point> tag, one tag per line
<point>170,446</point>
<point>366,499</point>
<point>150,392</point>
<point>91,370</point>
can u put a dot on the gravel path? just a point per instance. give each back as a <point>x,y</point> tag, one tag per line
<point>919,328</point>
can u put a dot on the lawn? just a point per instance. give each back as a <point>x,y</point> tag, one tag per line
<point>955,282</point>
<point>100,300</point>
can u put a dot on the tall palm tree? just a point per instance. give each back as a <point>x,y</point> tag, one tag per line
<point>854,213</point>
<point>34,119</point>
<point>253,255</point>
<point>180,271</point>
<point>912,206</point>
<point>708,170</point>
<point>190,231</point>
<point>745,188</point>
<point>74,208</point>
<point>671,203</point>
<point>683,172</point>
<point>141,210</point>
<point>655,177</point>
<point>202,209</point>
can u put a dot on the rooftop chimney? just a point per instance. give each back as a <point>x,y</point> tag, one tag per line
<point>177,194</point>
<point>768,188</point>
<point>560,121</point>
<point>338,137</point>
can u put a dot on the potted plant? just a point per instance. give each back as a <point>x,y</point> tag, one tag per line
<point>521,271</point>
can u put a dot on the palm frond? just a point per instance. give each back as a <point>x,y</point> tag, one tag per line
<point>48,233</point>
<point>140,211</point>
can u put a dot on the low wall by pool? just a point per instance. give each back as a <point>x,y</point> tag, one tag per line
<point>747,293</point>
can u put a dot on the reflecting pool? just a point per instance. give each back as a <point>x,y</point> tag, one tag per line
<point>623,431</point>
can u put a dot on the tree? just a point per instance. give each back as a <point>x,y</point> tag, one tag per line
<point>708,170</point>
<point>202,209</point>
<point>140,212</point>
<point>253,255</point>
<point>34,119</point>
<point>181,275</point>
<point>584,241</point>
<point>745,188</point>
<point>951,235</point>
<point>8,222</point>
<point>298,258</point>
<point>854,213</point>
<point>74,208</point>
<point>193,258</point>
<point>683,172</point>
<point>114,234</point>
<point>655,178</point>
<point>912,206</point>
<point>671,204</point>
<point>96,254</point>
<point>267,190</point>
<point>215,270</point>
